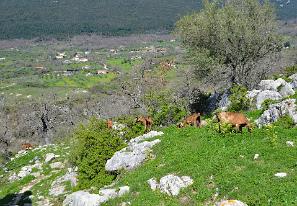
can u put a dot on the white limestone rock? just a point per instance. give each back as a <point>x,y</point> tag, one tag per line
<point>267,94</point>
<point>81,198</point>
<point>280,174</point>
<point>58,186</point>
<point>132,156</point>
<point>275,111</point>
<point>171,184</point>
<point>290,143</point>
<point>294,81</point>
<point>49,157</point>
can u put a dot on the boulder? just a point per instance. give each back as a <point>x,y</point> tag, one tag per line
<point>230,203</point>
<point>132,156</point>
<point>81,198</point>
<point>58,186</point>
<point>49,157</point>
<point>57,165</point>
<point>275,111</point>
<point>286,90</point>
<point>267,94</point>
<point>170,184</point>
<point>272,85</point>
<point>294,81</point>
<point>224,102</point>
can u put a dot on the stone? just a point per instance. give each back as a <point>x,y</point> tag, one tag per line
<point>25,171</point>
<point>49,157</point>
<point>280,174</point>
<point>108,193</point>
<point>267,94</point>
<point>118,126</point>
<point>134,154</point>
<point>290,143</point>
<point>230,203</point>
<point>275,111</point>
<point>272,85</point>
<point>124,190</point>
<point>151,134</point>
<point>36,174</point>
<point>171,184</point>
<point>130,157</point>
<point>57,165</point>
<point>153,183</point>
<point>253,94</point>
<point>286,90</point>
<point>224,102</point>
<point>58,186</point>
<point>294,81</point>
<point>81,198</point>
<point>13,177</point>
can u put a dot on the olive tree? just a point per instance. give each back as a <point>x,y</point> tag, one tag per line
<point>231,36</point>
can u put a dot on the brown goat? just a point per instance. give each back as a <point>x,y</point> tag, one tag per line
<point>146,121</point>
<point>193,120</point>
<point>27,146</point>
<point>236,119</point>
<point>109,124</point>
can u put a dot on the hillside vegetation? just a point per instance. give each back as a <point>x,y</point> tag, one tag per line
<point>61,18</point>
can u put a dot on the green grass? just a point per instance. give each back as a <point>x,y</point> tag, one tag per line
<point>202,153</point>
<point>78,81</point>
<point>123,64</point>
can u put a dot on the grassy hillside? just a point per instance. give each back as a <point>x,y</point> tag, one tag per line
<point>222,163</point>
<point>61,18</point>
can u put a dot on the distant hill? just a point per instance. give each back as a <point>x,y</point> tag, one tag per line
<point>60,18</point>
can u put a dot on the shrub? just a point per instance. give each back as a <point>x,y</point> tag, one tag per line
<point>132,128</point>
<point>163,109</point>
<point>93,144</point>
<point>239,99</point>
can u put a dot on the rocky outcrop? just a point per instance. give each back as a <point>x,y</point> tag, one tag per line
<point>266,94</point>
<point>58,186</point>
<point>170,184</point>
<point>271,89</point>
<point>81,198</point>
<point>132,156</point>
<point>275,111</point>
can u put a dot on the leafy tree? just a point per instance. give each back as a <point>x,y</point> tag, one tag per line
<point>232,36</point>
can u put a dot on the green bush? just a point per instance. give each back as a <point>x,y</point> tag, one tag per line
<point>93,144</point>
<point>132,129</point>
<point>238,98</point>
<point>163,109</point>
